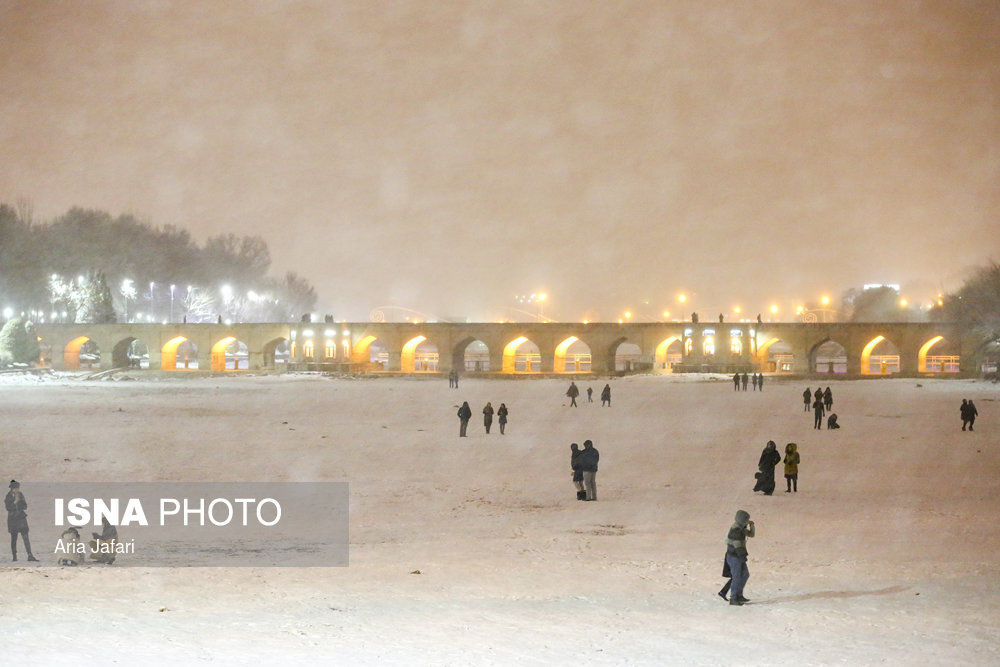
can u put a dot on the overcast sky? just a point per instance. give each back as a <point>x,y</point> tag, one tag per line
<point>446,156</point>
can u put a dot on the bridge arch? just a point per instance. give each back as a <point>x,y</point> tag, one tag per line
<point>880,356</point>
<point>572,355</point>
<point>81,351</point>
<point>179,353</point>
<point>419,355</point>
<point>776,356</point>
<point>828,356</point>
<point>276,351</point>
<point>471,354</point>
<point>229,351</point>
<point>944,361</point>
<point>521,355</point>
<point>663,355</point>
<point>130,352</point>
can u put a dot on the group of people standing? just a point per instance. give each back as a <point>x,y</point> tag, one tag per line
<point>969,413</point>
<point>584,466</point>
<point>574,391</point>
<point>740,381</point>
<point>465,415</point>
<point>822,404</point>
<point>769,460</point>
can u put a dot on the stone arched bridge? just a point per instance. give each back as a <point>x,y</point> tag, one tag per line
<point>848,349</point>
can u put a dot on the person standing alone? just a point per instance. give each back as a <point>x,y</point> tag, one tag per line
<point>502,417</point>
<point>736,555</point>
<point>17,519</point>
<point>818,410</point>
<point>464,415</point>
<point>588,464</point>
<point>606,395</point>
<point>792,467</point>
<point>573,392</point>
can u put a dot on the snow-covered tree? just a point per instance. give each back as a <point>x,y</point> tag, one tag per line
<point>18,342</point>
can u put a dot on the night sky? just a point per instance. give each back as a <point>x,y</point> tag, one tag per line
<point>447,156</point>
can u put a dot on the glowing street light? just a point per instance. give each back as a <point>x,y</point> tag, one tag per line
<point>682,297</point>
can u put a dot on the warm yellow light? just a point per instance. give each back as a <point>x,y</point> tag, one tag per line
<point>903,302</point>
<point>736,309</point>
<point>541,297</point>
<point>774,309</point>
<point>681,298</point>
<point>627,314</point>
<point>620,321</point>
<point>586,321</point>
<point>825,300</point>
<point>799,309</point>
<point>666,313</point>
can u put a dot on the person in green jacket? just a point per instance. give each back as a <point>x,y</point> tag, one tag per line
<point>792,467</point>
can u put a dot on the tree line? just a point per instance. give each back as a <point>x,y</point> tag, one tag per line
<point>88,266</point>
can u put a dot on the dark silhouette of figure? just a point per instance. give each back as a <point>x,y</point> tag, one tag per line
<point>818,411</point>
<point>574,464</point>
<point>590,394</point>
<point>694,318</point>
<point>758,319</point>
<point>769,458</point>
<point>760,381</point>
<point>464,415</point>
<point>502,417</point>
<point>819,393</point>
<point>831,422</point>
<point>736,381</point>
<point>744,379</point>
<point>753,380</point>
<point>973,413</point>
<point>572,392</point>
<point>792,467</point>
<point>588,464</point>
<point>727,574</point>
<point>807,398</point>
<point>606,395</point>
<point>736,555</point>
<point>17,519</point>
<point>965,413</point>
<point>827,399</point>
<point>721,319</point>
<point>488,417</point>
<point>102,547</point>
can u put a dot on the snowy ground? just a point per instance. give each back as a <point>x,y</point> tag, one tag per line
<point>886,555</point>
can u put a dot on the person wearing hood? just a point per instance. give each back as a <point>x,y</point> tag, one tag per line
<point>574,464</point>
<point>72,550</point>
<point>464,415</point>
<point>488,417</point>
<point>736,555</point>
<point>792,467</point>
<point>502,413</point>
<point>573,392</point>
<point>769,458</point>
<point>807,398</point>
<point>102,547</point>
<point>17,519</point>
<point>606,396</point>
<point>588,464</point>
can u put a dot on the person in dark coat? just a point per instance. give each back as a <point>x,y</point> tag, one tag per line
<point>819,393</point>
<point>736,381</point>
<point>574,464</point>
<point>488,417</point>
<point>769,458</point>
<point>760,381</point>
<point>502,417</point>
<point>590,394</point>
<point>744,379</point>
<point>573,392</point>
<point>827,399</point>
<point>464,415</point>
<point>588,464</point>
<point>973,413</point>
<point>606,395</point>
<point>965,413</point>
<point>736,555</point>
<point>727,574</point>
<point>17,519</point>
<point>807,398</point>
<point>753,381</point>
<point>102,547</point>
<point>792,459</point>
<point>831,422</point>
<point>818,411</point>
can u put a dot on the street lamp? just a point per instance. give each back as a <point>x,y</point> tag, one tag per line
<point>172,288</point>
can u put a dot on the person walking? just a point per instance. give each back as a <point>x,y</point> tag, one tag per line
<point>744,379</point>
<point>464,415</point>
<point>736,381</point>
<point>588,464</point>
<point>792,467</point>
<point>818,411</point>
<point>965,413</point>
<point>606,395</point>
<point>488,417</point>
<point>807,398</point>
<point>590,394</point>
<point>760,381</point>
<point>973,413</point>
<point>502,417</point>
<point>572,392</point>
<point>727,574</point>
<point>574,464</point>
<point>753,380</point>
<point>827,399</point>
<point>17,519</point>
<point>736,555</point>
<point>769,458</point>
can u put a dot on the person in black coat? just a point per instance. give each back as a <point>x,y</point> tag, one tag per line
<point>828,399</point>
<point>769,458</point>
<point>588,464</point>
<point>744,379</point>
<point>807,398</point>
<point>973,413</point>
<point>574,464</point>
<point>464,415</point>
<point>760,381</point>
<point>488,417</point>
<point>502,417</point>
<point>606,395</point>
<point>818,412</point>
<point>17,519</point>
<point>736,381</point>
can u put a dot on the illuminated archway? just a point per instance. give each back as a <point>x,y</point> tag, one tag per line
<point>71,353</point>
<point>419,356</point>
<point>572,356</point>
<point>475,356</point>
<point>936,363</point>
<point>130,353</point>
<point>664,357</point>
<point>877,357</point>
<point>371,350</point>
<point>516,360</point>
<point>626,355</point>
<point>179,354</point>
<point>229,354</point>
<point>776,356</point>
